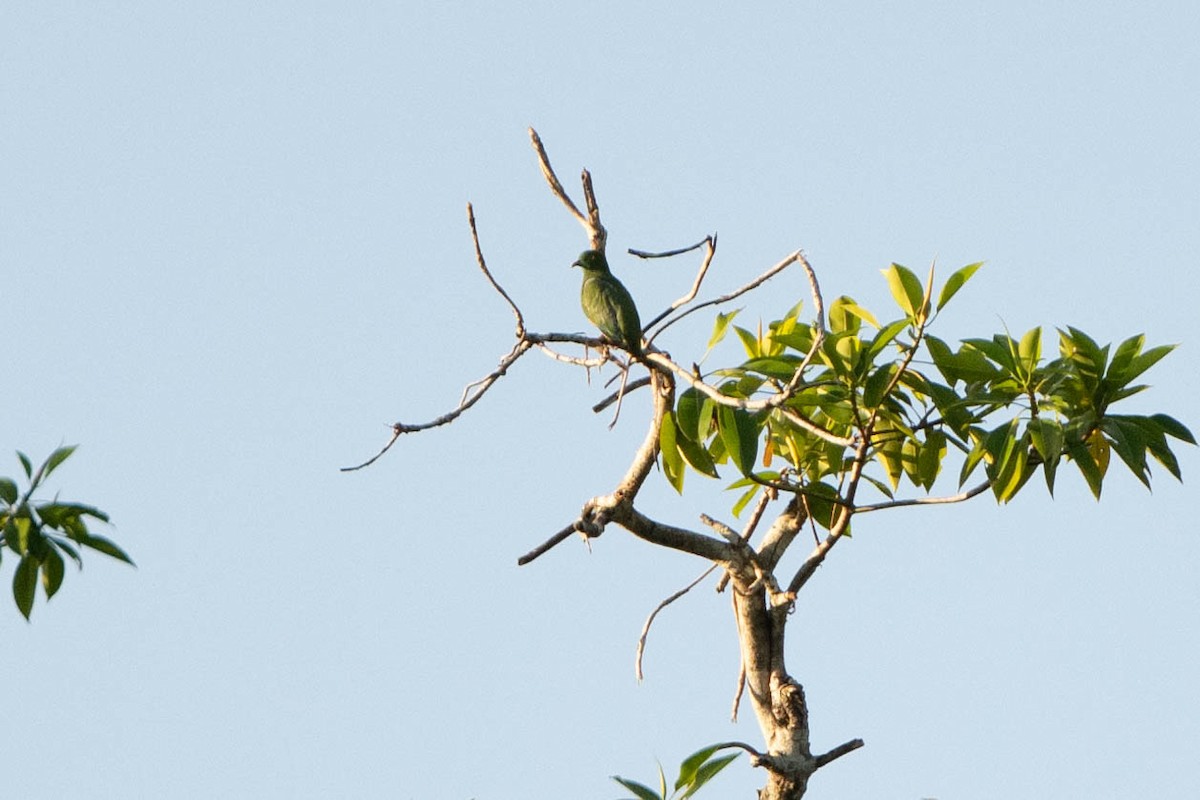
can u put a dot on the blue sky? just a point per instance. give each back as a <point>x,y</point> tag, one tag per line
<point>233,250</point>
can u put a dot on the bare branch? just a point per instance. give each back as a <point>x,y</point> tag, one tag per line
<point>546,545</point>
<point>837,752</point>
<point>591,223</point>
<point>469,399</point>
<point>927,501</point>
<point>742,745</point>
<point>754,284</point>
<point>737,695</point>
<point>495,285</point>
<point>641,647</point>
<point>711,250</point>
<point>612,398</point>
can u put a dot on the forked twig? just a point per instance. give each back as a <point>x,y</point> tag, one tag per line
<point>597,235</point>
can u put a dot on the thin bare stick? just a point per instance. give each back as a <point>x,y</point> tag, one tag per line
<point>711,242</point>
<point>487,273</point>
<point>737,695</point>
<point>927,501</point>
<point>742,745</point>
<point>590,363</point>
<point>754,284</point>
<point>669,253</point>
<point>468,400</point>
<point>641,647</point>
<point>612,398</point>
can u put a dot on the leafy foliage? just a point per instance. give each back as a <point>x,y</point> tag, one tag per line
<point>888,402</point>
<point>40,534</point>
<point>695,771</point>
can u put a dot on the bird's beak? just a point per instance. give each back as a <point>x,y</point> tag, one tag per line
<point>576,264</point>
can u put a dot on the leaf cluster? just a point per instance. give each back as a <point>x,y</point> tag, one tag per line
<point>40,534</point>
<point>886,402</point>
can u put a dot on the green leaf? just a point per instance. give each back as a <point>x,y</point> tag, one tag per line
<point>740,435</point>
<point>1082,458</point>
<point>720,328</point>
<point>955,282</point>
<point>707,771</point>
<point>26,463</point>
<point>1139,364</point>
<point>25,584</point>
<point>52,572</point>
<point>107,547</point>
<point>642,791</point>
<point>885,336</point>
<point>929,458</point>
<point>56,458</point>
<point>906,289</point>
<point>1030,349</point>
<point>687,769</point>
<point>877,384</point>
<point>1130,443</point>
<point>8,491</point>
<point>672,462</point>
<point>745,499</point>
<point>1173,427</point>
<point>749,341</point>
<point>695,454</point>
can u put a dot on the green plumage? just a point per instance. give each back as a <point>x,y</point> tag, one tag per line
<point>608,304</point>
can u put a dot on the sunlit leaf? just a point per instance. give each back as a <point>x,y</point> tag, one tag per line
<point>955,282</point>
<point>906,288</point>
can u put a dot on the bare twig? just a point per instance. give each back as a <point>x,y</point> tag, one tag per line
<point>677,252</point>
<point>927,501</point>
<point>837,752</point>
<point>742,745</point>
<point>612,398</point>
<point>641,646</point>
<point>495,285</point>
<point>754,284</point>
<point>711,250</point>
<point>737,695</point>
<point>469,399</point>
<point>565,533</point>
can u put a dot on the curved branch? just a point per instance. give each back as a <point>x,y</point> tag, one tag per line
<point>495,285</point>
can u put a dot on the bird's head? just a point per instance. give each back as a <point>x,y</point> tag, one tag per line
<point>592,260</point>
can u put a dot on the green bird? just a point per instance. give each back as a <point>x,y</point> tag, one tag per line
<point>608,304</point>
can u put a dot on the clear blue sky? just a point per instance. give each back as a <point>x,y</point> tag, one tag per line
<point>233,250</point>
